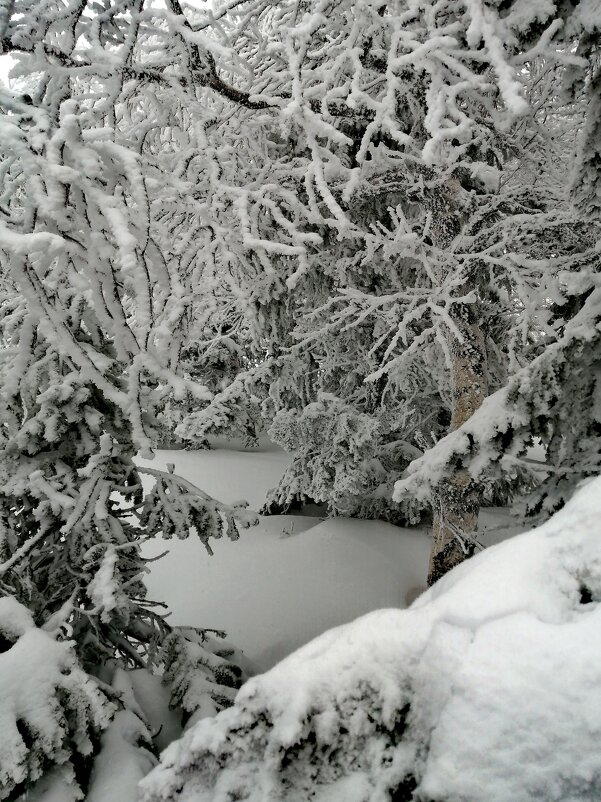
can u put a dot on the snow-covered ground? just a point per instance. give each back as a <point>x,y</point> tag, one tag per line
<point>291,577</point>
<point>487,688</point>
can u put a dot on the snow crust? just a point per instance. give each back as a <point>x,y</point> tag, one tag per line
<point>491,680</point>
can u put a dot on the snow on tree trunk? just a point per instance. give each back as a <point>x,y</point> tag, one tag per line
<point>457,499</point>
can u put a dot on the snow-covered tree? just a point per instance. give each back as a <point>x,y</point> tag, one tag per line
<point>98,276</point>
<point>553,395</point>
<point>386,209</point>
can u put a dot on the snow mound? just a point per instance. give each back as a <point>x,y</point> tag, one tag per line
<point>489,684</point>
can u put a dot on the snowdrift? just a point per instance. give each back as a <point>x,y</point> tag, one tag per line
<point>487,689</point>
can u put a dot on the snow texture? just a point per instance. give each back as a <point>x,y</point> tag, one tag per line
<point>49,708</point>
<point>288,579</point>
<point>491,680</point>
<point>121,763</point>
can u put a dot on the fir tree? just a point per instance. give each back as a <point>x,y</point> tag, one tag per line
<point>95,300</point>
<point>390,213</point>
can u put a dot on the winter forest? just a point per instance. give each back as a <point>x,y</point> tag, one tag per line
<point>300,400</point>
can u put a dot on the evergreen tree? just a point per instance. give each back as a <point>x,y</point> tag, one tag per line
<point>386,214</point>
<point>96,292</point>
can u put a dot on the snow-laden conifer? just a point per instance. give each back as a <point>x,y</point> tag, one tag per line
<point>98,276</point>
<point>51,711</point>
<point>390,205</point>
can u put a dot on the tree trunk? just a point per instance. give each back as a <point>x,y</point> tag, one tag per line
<point>457,501</point>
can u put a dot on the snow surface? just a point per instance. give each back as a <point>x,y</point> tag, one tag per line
<point>6,63</point>
<point>288,579</point>
<point>490,684</point>
<point>120,764</point>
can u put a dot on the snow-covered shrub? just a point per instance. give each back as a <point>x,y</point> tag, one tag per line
<point>199,672</point>
<point>488,687</point>
<point>126,756</point>
<point>51,712</point>
<point>216,364</point>
<point>238,416</point>
<point>202,671</point>
<point>339,458</point>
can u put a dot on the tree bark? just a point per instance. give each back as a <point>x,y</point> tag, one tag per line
<point>457,501</point>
